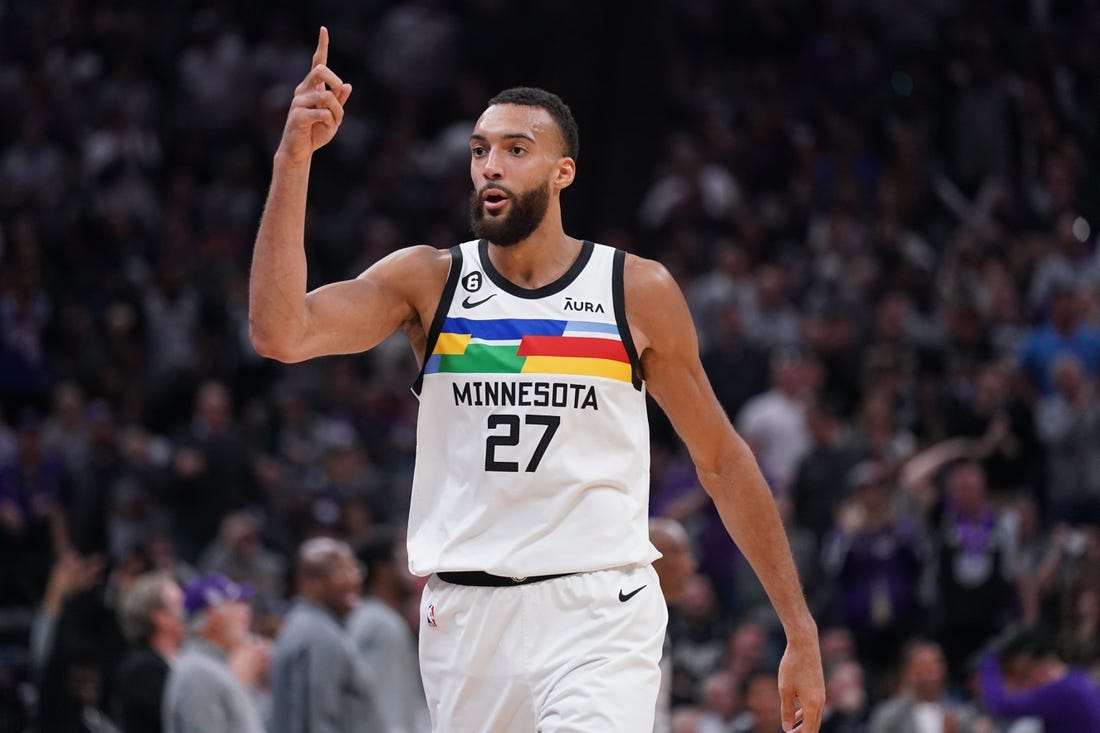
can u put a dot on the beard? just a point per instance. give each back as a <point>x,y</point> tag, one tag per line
<point>526,212</point>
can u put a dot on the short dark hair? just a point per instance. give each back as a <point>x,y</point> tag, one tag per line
<point>1030,643</point>
<point>554,105</point>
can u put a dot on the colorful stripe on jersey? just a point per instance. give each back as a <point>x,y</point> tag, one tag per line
<point>529,346</point>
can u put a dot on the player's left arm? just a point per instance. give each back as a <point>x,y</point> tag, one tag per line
<point>668,348</point>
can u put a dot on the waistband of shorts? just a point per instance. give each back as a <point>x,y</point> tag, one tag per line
<point>478,578</point>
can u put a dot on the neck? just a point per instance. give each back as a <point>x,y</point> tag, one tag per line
<point>538,260</point>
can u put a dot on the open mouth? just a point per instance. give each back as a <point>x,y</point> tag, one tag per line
<point>494,200</point>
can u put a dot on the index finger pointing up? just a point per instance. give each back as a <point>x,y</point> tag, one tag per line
<point>320,56</point>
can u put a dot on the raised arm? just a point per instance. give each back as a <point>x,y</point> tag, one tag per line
<point>286,322</point>
<point>666,341</point>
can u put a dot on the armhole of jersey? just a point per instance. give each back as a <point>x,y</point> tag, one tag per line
<point>618,288</point>
<point>440,314</point>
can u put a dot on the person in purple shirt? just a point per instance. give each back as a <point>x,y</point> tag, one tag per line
<point>875,556</point>
<point>1027,679</point>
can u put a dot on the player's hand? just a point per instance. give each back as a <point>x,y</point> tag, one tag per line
<point>801,679</point>
<point>317,108</point>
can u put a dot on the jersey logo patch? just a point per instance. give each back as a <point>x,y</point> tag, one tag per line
<point>431,615</point>
<point>467,303</point>
<point>472,282</point>
<point>624,597</point>
<point>582,306</point>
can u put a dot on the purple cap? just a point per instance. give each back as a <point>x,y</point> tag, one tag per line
<point>213,590</point>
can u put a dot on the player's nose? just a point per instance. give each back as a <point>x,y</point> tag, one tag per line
<point>492,169</point>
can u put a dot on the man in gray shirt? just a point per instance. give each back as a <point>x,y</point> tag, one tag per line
<point>318,684</point>
<point>386,642</point>
<point>203,695</point>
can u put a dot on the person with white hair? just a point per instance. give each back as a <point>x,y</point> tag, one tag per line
<point>152,618</point>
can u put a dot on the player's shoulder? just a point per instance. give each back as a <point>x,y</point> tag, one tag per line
<point>654,304</point>
<point>647,277</point>
<point>418,256</point>
<point>412,267</point>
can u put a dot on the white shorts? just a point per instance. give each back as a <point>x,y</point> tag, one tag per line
<point>574,654</point>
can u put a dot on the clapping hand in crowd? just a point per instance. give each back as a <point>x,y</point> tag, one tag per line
<point>70,576</point>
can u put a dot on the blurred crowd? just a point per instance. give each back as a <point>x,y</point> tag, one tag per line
<point>881,213</point>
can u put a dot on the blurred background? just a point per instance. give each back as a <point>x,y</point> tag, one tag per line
<point>883,214</point>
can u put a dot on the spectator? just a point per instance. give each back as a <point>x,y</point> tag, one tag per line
<point>239,554</point>
<point>1080,565</point>
<point>212,471</point>
<point>65,433</point>
<point>1079,643</point>
<point>1060,332</point>
<point>720,290</point>
<point>212,72</point>
<point>837,645</point>
<point>32,169</point>
<point>1027,679</point>
<point>721,703</point>
<point>699,631</point>
<point>691,188</point>
<point>318,682</point>
<point>413,49</point>
<point>977,585</point>
<point>878,432</point>
<point>83,688</point>
<point>688,720</point>
<point>983,400</point>
<point>385,642</point>
<point>771,319</point>
<point>1069,427</point>
<point>151,615</point>
<point>172,310</point>
<point>675,566</point>
<point>737,367</point>
<point>1040,561</point>
<point>922,703</point>
<point>107,506</point>
<point>70,578</point>
<point>208,687</point>
<point>876,557</point>
<point>747,651</point>
<point>847,710</point>
<point>33,528</point>
<point>761,694</point>
<point>774,423</point>
<point>820,482</point>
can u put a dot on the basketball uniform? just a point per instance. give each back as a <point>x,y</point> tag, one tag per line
<point>530,502</point>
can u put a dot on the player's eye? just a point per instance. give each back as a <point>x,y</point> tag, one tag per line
<point>518,150</point>
<point>477,151</point>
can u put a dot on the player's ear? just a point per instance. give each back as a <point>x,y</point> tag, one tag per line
<point>566,171</point>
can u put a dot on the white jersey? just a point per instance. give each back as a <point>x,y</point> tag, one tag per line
<point>532,439</point>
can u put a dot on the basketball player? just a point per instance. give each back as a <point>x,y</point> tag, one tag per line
<point>529,505</point>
